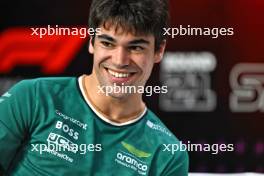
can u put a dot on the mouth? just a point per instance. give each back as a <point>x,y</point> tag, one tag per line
<point>120,76</point>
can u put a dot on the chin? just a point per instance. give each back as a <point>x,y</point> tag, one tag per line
<point>119,96</point>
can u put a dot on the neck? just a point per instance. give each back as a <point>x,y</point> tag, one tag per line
<point>115,109</point>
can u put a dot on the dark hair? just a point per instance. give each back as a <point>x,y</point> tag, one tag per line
<point>136,16</point>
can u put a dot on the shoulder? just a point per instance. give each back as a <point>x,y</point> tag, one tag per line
<point>45,83</point>
<point>32,88</point>
<point>170,152</point>
<point>161,134</point>
<point>159,129</point>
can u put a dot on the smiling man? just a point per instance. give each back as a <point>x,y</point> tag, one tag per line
<point>121,58</point>
<point>66,126</point>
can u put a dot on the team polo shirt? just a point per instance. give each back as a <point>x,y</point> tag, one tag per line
<point>48,127</point>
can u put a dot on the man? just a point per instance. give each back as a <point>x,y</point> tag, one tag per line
<point>69,126</point>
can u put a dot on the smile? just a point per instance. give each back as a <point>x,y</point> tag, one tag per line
<point>118,74</point>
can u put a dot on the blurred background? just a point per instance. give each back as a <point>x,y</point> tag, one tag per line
<point>215,85</point>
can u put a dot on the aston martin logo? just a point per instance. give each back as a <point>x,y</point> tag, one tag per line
<point>138,153</point>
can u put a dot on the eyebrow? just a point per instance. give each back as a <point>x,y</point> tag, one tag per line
<point>106,37</point>
<point>133,42</point>
<point>139,41</point>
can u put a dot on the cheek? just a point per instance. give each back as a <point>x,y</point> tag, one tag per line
<point>145,65</point>
<point>97,58</point>
<point>147,62</point>
<point>97,54</point>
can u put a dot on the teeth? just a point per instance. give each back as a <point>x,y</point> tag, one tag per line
<point>118,75</point>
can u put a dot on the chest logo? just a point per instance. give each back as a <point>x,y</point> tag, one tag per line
<point>138,153</point>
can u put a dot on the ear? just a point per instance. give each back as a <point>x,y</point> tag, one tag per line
<point>160,52</point>
<point>91,47</point>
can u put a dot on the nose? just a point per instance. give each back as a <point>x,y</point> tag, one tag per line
<point>121,57</point>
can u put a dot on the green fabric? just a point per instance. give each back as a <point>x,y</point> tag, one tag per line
<point>53,111</point>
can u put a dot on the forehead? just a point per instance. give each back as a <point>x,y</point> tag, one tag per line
<point>120,34</point>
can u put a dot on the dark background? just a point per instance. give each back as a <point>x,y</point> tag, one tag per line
<point>219,125</point>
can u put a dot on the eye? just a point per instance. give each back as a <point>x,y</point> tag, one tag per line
<point>107,44</point>
<point>136,48</point>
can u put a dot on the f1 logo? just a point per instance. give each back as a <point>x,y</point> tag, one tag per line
<point>52,53</point>
<point>247,81</point>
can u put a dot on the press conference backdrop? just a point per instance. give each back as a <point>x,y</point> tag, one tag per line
<point>215,76</point>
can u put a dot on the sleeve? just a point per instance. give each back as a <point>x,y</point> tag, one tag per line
<point>16,109</point>
<point>178,166</point>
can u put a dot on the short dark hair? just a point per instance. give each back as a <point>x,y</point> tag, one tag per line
<point>136,16</point>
